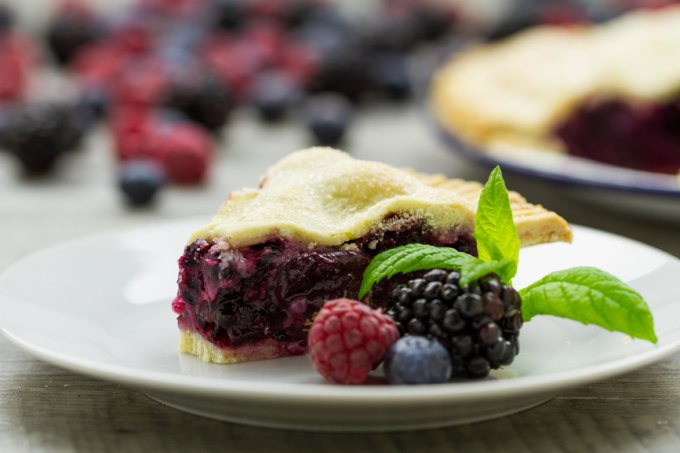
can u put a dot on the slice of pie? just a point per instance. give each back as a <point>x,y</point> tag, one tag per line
<point>609,93</point>
<point>250,280</point>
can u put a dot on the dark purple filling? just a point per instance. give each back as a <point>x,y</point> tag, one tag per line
<point>271,290</point>
<point>644,137</point>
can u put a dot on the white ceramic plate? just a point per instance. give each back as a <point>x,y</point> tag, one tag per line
<point>615,187</point>
<point>101,306</point>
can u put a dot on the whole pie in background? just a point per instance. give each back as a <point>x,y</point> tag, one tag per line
<point>609,92</point>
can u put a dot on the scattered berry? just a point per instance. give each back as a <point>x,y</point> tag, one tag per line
<point>202,98</point>
<point>390,75</point>
<point>38,134</point>
<point>274,94</point>
<point>390,34</point>
<point>185,150</point>
<point>16,61</point>
<point>133,129</point>
<point>432,22</point>
<point>479,324</point>
<point>73,27</point>
<point>348,339</point>
<point>417,360</point>
<point>342,70</point>
<point>6,19</point>
<point>328,116</point>
<point>140,180</point>
<point>229,14</point>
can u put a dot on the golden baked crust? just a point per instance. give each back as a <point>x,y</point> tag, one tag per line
<point>534,223</point>
<point>514,93</point>
<point>322,196</point>
<point>193,343</point>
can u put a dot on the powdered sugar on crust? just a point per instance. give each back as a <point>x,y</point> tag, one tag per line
<point>325,197</point>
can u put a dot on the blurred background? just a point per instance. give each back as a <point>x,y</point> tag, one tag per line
<point>115,113</point>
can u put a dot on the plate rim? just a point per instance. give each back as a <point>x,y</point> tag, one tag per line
<point>328,393</point>
<point>458,145</point>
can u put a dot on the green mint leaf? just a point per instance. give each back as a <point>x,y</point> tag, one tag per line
<point>590,296</point>
<point>410,258</point>
<point>475,269</point>
<point>495,230</point>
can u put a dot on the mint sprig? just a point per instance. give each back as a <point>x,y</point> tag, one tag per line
<point>591,296</point>
<point>411,258</point>
<point>495,230</point>
<point>584,294</point>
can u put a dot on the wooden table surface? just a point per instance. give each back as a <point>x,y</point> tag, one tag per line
<point>44,408</point>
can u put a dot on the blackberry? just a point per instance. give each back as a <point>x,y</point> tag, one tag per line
<point>432,23</point>
<point>479,325</point>
<point>229,15</point>
<point>38,134</point>
<point>6,19</point>
<point>202,98</point>
<point>69,33</point>
<point>343,70</point>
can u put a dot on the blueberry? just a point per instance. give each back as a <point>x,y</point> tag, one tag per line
<point>322,38</point>
<point>140,181</point>
<point>390,76</point>
<point>328,116</point>
<point>94,102</point>
<point>417,360</point>
<point>274,95</point>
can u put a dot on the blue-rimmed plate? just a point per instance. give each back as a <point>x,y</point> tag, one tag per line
<point>635,191</point>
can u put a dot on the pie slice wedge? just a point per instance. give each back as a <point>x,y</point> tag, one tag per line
<point>251,279</point>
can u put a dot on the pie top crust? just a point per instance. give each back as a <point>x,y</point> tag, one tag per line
<point>322,196</point>
<point>516,91</point>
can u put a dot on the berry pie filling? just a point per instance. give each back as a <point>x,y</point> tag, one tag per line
<point>256,302</point>
<point>644,136</point>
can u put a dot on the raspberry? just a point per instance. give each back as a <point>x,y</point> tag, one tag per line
<point>479,324</point>
<point>185,151</point>
<point>133,128</point>
<point>348,340</point>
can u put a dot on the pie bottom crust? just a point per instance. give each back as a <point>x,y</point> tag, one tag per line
<point>194,343</point>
